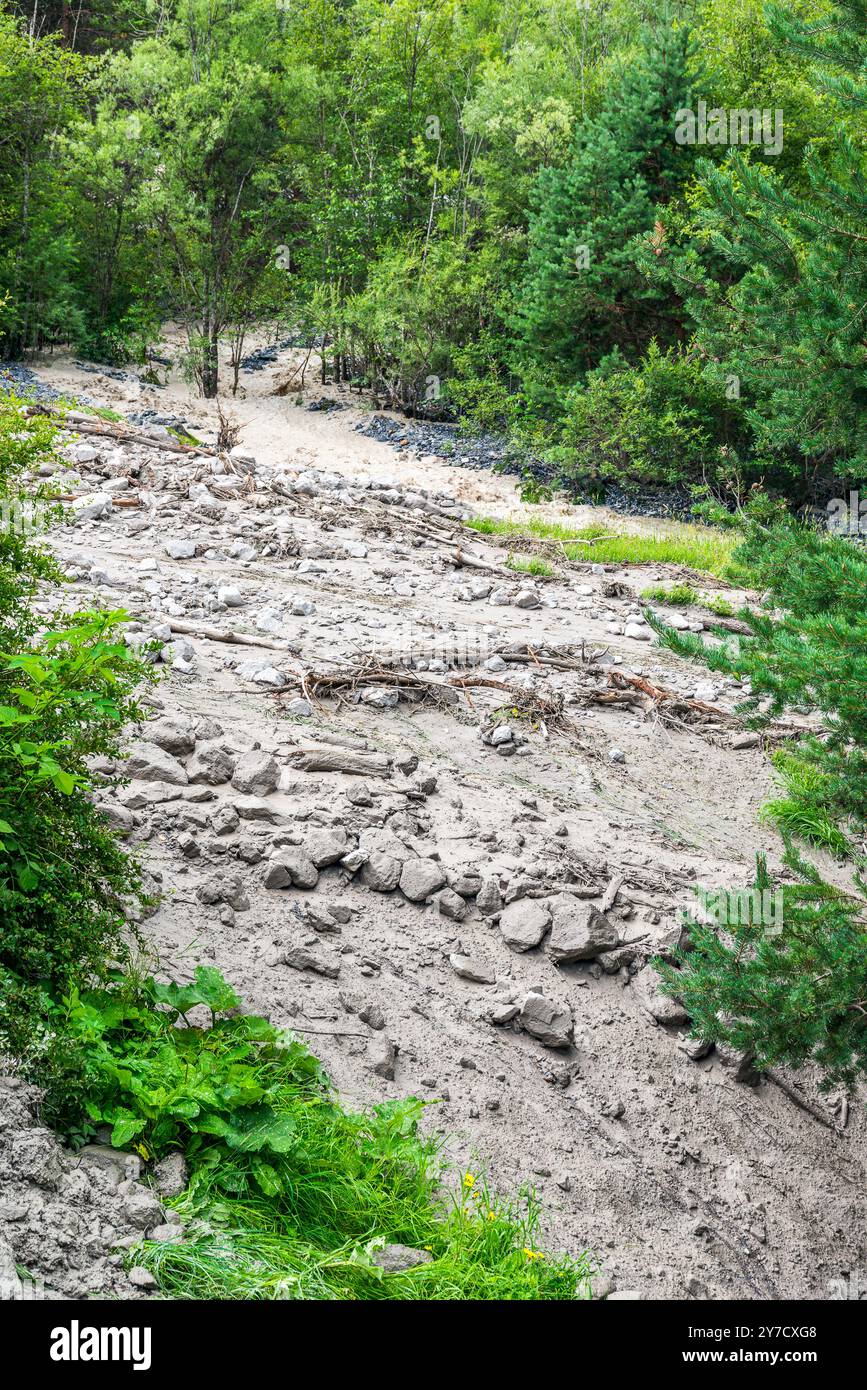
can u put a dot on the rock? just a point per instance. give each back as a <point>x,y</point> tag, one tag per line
<point>468,884</point>
<point>262,675</point>
<point>638,632</point>
<point>382,1056</point>
<point>180,549</point>
<point>325,847</point>
<point>578,931</point>
<point>141,1278</point>
<point>741,1064</point>
<point>116,1161</point>
<point>394,1259</point>
<point>523,924</point>
<point>616,755</point>
<point>420,878</point>
<point>301,958</point>
<point>381,872</point>
<point>658,1005</point>
<point>372,1015</point>
<point>550,1023</point>
<point>504,1013</point>
<point>378,697</point>
<point>90,507</point>
<point>168,1231</point>
<point>171,1175</point>
<point>230,595</point>
<point>302,607</point>
<point>695,1048</point>
<point>172,735</point>
<point>290,866</point>
<point>225,820</point>
<point>452,905</point>
<point>749,738</point>
<point>489,900</point>
<point>147,762</point>
<point>299,707</point>
<point>142,1210</point>
<point>119,818</point>
<point>223,888</point>
<point>35,1157</point>
<point>256,773</point>
<point>470,968</point>
<point>212,763</point>
<point>526,598</point>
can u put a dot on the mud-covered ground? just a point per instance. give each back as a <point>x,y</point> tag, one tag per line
<point>407,874</point>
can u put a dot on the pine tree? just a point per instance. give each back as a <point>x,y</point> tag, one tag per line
<point>788,992</point>
<point>786,316</point>
<point>797,993</point>
<point>583,295</point>
<point>808,647</point>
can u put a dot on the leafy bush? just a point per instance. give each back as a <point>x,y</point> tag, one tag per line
<point>64,697</point>
<point>665,421</point>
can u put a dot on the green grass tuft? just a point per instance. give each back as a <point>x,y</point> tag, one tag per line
<point>696,547</point>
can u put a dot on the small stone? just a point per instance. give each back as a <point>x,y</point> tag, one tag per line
<point>473,969</point>
<point>394,1259</point>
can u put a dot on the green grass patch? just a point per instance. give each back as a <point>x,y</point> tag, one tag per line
<point>696,547</point>
<point>684,596</point>
<point>530,564</point>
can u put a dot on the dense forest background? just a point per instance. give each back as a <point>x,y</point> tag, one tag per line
<point>483,209</point>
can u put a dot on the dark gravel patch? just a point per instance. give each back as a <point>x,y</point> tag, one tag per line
<point>486,451</point>
<point>14,376</point>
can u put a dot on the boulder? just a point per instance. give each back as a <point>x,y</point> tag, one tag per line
<point>256,773</point>
<point>579,931</point>
<point>290,867</point>
<point>523,923</point>
<point>420,878</point>
<point>147,762</point>
<point>380,871</point>
<point>551,1023</point>
<point>212,763</point>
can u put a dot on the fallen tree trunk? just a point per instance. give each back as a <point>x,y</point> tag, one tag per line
<point>108,431</point>
<point>341,760</point>
<point>214,634</point>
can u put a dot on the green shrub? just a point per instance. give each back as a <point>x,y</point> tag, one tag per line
<point>665,421</point>
<point>64,697</point>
